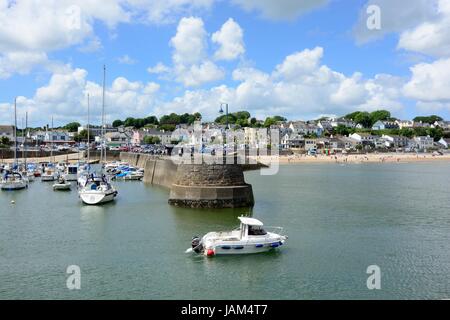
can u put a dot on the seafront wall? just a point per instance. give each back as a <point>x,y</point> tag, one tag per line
<point>196,185</point>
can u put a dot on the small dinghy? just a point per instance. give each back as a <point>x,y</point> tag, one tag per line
<point>250,237</point>
<point>62,185</point>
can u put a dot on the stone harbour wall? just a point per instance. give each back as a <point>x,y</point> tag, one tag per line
<point>196,185</point>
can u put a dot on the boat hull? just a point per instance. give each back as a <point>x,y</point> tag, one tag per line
<point>95,197</point>
<point>45,178</point>
<point>227,249</point>
<point>62,187</point>
<point>70,177</point>
<point>13,186</point>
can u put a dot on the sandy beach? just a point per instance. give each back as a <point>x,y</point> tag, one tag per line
<point>357,158</point>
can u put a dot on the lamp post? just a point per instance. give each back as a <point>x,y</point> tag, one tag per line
<point>226,112</point>
<point>227,126</point>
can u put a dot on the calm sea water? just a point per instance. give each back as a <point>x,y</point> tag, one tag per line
<point>340,220</point>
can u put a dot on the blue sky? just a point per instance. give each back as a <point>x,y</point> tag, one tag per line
<point>334,66</point>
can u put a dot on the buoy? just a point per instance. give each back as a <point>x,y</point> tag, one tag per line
<point>13,202</point>
<point>210,253</point>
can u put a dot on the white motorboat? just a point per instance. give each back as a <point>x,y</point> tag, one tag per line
<point>97,191</point>
<point>71,173</point>
<point>250,237</point>
<point>133,176</point>
<point>49,175</point>
<point>13,181</point>
<point>62,185</point>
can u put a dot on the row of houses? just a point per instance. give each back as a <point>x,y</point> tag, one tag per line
<point>364,140</point>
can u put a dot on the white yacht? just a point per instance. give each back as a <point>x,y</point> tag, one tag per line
<point>13,181</point>
<point>250,237</point>
<point>97,190</point>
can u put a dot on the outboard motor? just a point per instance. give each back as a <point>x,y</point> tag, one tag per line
<point>197,245</point>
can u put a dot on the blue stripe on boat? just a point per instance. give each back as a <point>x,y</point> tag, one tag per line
<point>238,247</point>
<point>226,247</point>
<point>259,245</point>
<point>274,245</point>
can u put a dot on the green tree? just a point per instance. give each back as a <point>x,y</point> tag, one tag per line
<point>167,127</point>
<point>435,133</point>
<point>364,119</point>
<point>429,119</point>
<point>72,127</point>
<point>383,115</point>
<point>172,119</point>
<point>82,136</point>
<point>342,130</point>
<point>151,120</point>
<point>242,122</point>
<point>223,119</point>
<point>152,140</point>
<point>352,116</point>
<point>406,132</point>
<point>4,141</point>
<point>129,122</point>
<point>117,123</point>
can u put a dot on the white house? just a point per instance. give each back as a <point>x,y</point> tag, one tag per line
<point>395,141</point>
<point>292,141</point>
<point>382,125</point>
<point>341,121</point>
<point>423,143</point>
<point>404,123</point>
<point>444,142</point>
<point>303,128</point>
<point>310,144</point>
<point>7,131</point>
<point>364,137</point>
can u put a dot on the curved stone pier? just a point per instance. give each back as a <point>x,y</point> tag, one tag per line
<point>196,185</point>
<point>211,186</point>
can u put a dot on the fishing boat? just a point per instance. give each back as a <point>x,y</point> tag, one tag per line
<point>97,190</point>
<point>13,180</point>
<point>62,185</point>
<point>250,237</point>
<point>49,174</point>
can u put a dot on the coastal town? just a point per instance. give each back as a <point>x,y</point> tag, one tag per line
<point>357,133</point>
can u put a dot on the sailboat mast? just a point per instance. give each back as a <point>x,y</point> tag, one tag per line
<point>51,151</point>
<point>88,134</point>
<point>25,138</point>
<point>103,116</point>
<point>15,131</point>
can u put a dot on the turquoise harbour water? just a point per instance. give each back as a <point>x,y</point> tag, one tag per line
<point>340,220</point>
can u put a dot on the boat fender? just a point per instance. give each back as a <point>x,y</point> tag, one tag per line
<point>210,253</point>
<point>239,247</point>
<point>259,245</point>
<point>275,245</point>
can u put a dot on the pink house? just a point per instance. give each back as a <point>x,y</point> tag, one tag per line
<point>138,137</point>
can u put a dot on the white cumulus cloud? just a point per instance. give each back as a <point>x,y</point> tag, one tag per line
<point>230,39</point>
